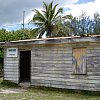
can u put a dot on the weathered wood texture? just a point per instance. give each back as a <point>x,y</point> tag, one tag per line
<point>52,66</point>
<point>11,68</point>
<point>79,60</point>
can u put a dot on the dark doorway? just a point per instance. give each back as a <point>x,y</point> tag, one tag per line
<point>25,64</point>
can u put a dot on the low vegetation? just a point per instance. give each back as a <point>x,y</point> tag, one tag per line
<point>44,93</point>
<point>7,84</point>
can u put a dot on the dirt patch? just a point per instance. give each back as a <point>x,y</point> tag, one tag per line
<point>12,90</point>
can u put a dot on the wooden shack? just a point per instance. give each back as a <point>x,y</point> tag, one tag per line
<point>65,62</point>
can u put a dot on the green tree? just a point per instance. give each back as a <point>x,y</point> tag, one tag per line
<point>96,23</point>
<point>82,25</point>
<point>46,20</point>
<point>64,26</point>
<point>12,36</point>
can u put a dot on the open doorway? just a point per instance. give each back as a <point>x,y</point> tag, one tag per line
<point>25,65</point>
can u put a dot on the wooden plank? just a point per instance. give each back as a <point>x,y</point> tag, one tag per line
<point>46,54</point>
<point>11,70</point>
<point>66,76</point>
<point>59,75</point>
<point>11,75</point>
<point>53,75</point>
<point>65,84</point>
<point>79,52</point>
<point>53,48</point>
<point>51,72</point>
<point>79,60</point>
<point>93,54</point>
<point>11,67</point>
<point>12,62</point>
<point>66,80</point>
<point>94,70</point>
<point>57,65</point>
<point>52,68</point>
<point>52,62</point>
<point>12,80</point>
<point>53,52</point>
<point>94,73</point>
<point>11,59</point>
<point>52,58</point>
<point>93,50</point>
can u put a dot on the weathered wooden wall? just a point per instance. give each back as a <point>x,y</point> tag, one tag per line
<point>11,68</point>
<point>52,66</point>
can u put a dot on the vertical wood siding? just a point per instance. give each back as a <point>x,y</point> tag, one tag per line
<point>11,68</point>
<point>79,63</point>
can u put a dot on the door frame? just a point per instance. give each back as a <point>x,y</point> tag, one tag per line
<point>30,64</point>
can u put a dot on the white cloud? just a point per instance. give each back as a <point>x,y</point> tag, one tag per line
<point>76,9</point>
<point>11,11</point>
<point>59,2</point>
<point>90,8</point>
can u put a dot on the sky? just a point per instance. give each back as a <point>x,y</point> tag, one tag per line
<point>11,11</point>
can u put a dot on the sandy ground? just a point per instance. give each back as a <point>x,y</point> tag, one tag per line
<point>19,90</point>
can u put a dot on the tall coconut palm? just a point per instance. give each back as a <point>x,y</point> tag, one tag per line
<point>46,19</point>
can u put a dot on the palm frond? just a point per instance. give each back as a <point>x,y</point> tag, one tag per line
<point>38,24</point>
<point>45,6</point>
<point>53,12</point>
<point>38,16</point>
<point>60,10</point>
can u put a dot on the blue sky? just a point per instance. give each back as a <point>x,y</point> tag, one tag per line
<point>11,12</point>
<point>84,1</point>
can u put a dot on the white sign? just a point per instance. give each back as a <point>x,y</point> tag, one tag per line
<point>12,52</point>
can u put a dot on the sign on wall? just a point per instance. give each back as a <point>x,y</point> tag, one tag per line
<point>12,52</point>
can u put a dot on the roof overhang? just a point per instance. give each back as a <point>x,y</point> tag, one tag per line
<point>58,40</point>
<point>2,44</point>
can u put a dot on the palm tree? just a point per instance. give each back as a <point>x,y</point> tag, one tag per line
<point>46,19</point>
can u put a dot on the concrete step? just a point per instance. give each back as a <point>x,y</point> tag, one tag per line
<point>24,84</point>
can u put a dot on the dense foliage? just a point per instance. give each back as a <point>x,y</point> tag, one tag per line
<point>69,25</point>
<point>16,35</point>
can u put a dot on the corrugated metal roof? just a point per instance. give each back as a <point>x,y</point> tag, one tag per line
<point>90,38</point>
<point>1,43</point>
<point>55,38</point>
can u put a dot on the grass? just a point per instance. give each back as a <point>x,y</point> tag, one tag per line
<point>44,93</point>
<point>7,84</point>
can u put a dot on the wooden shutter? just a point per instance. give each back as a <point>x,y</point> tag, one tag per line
<point>79,60</point>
